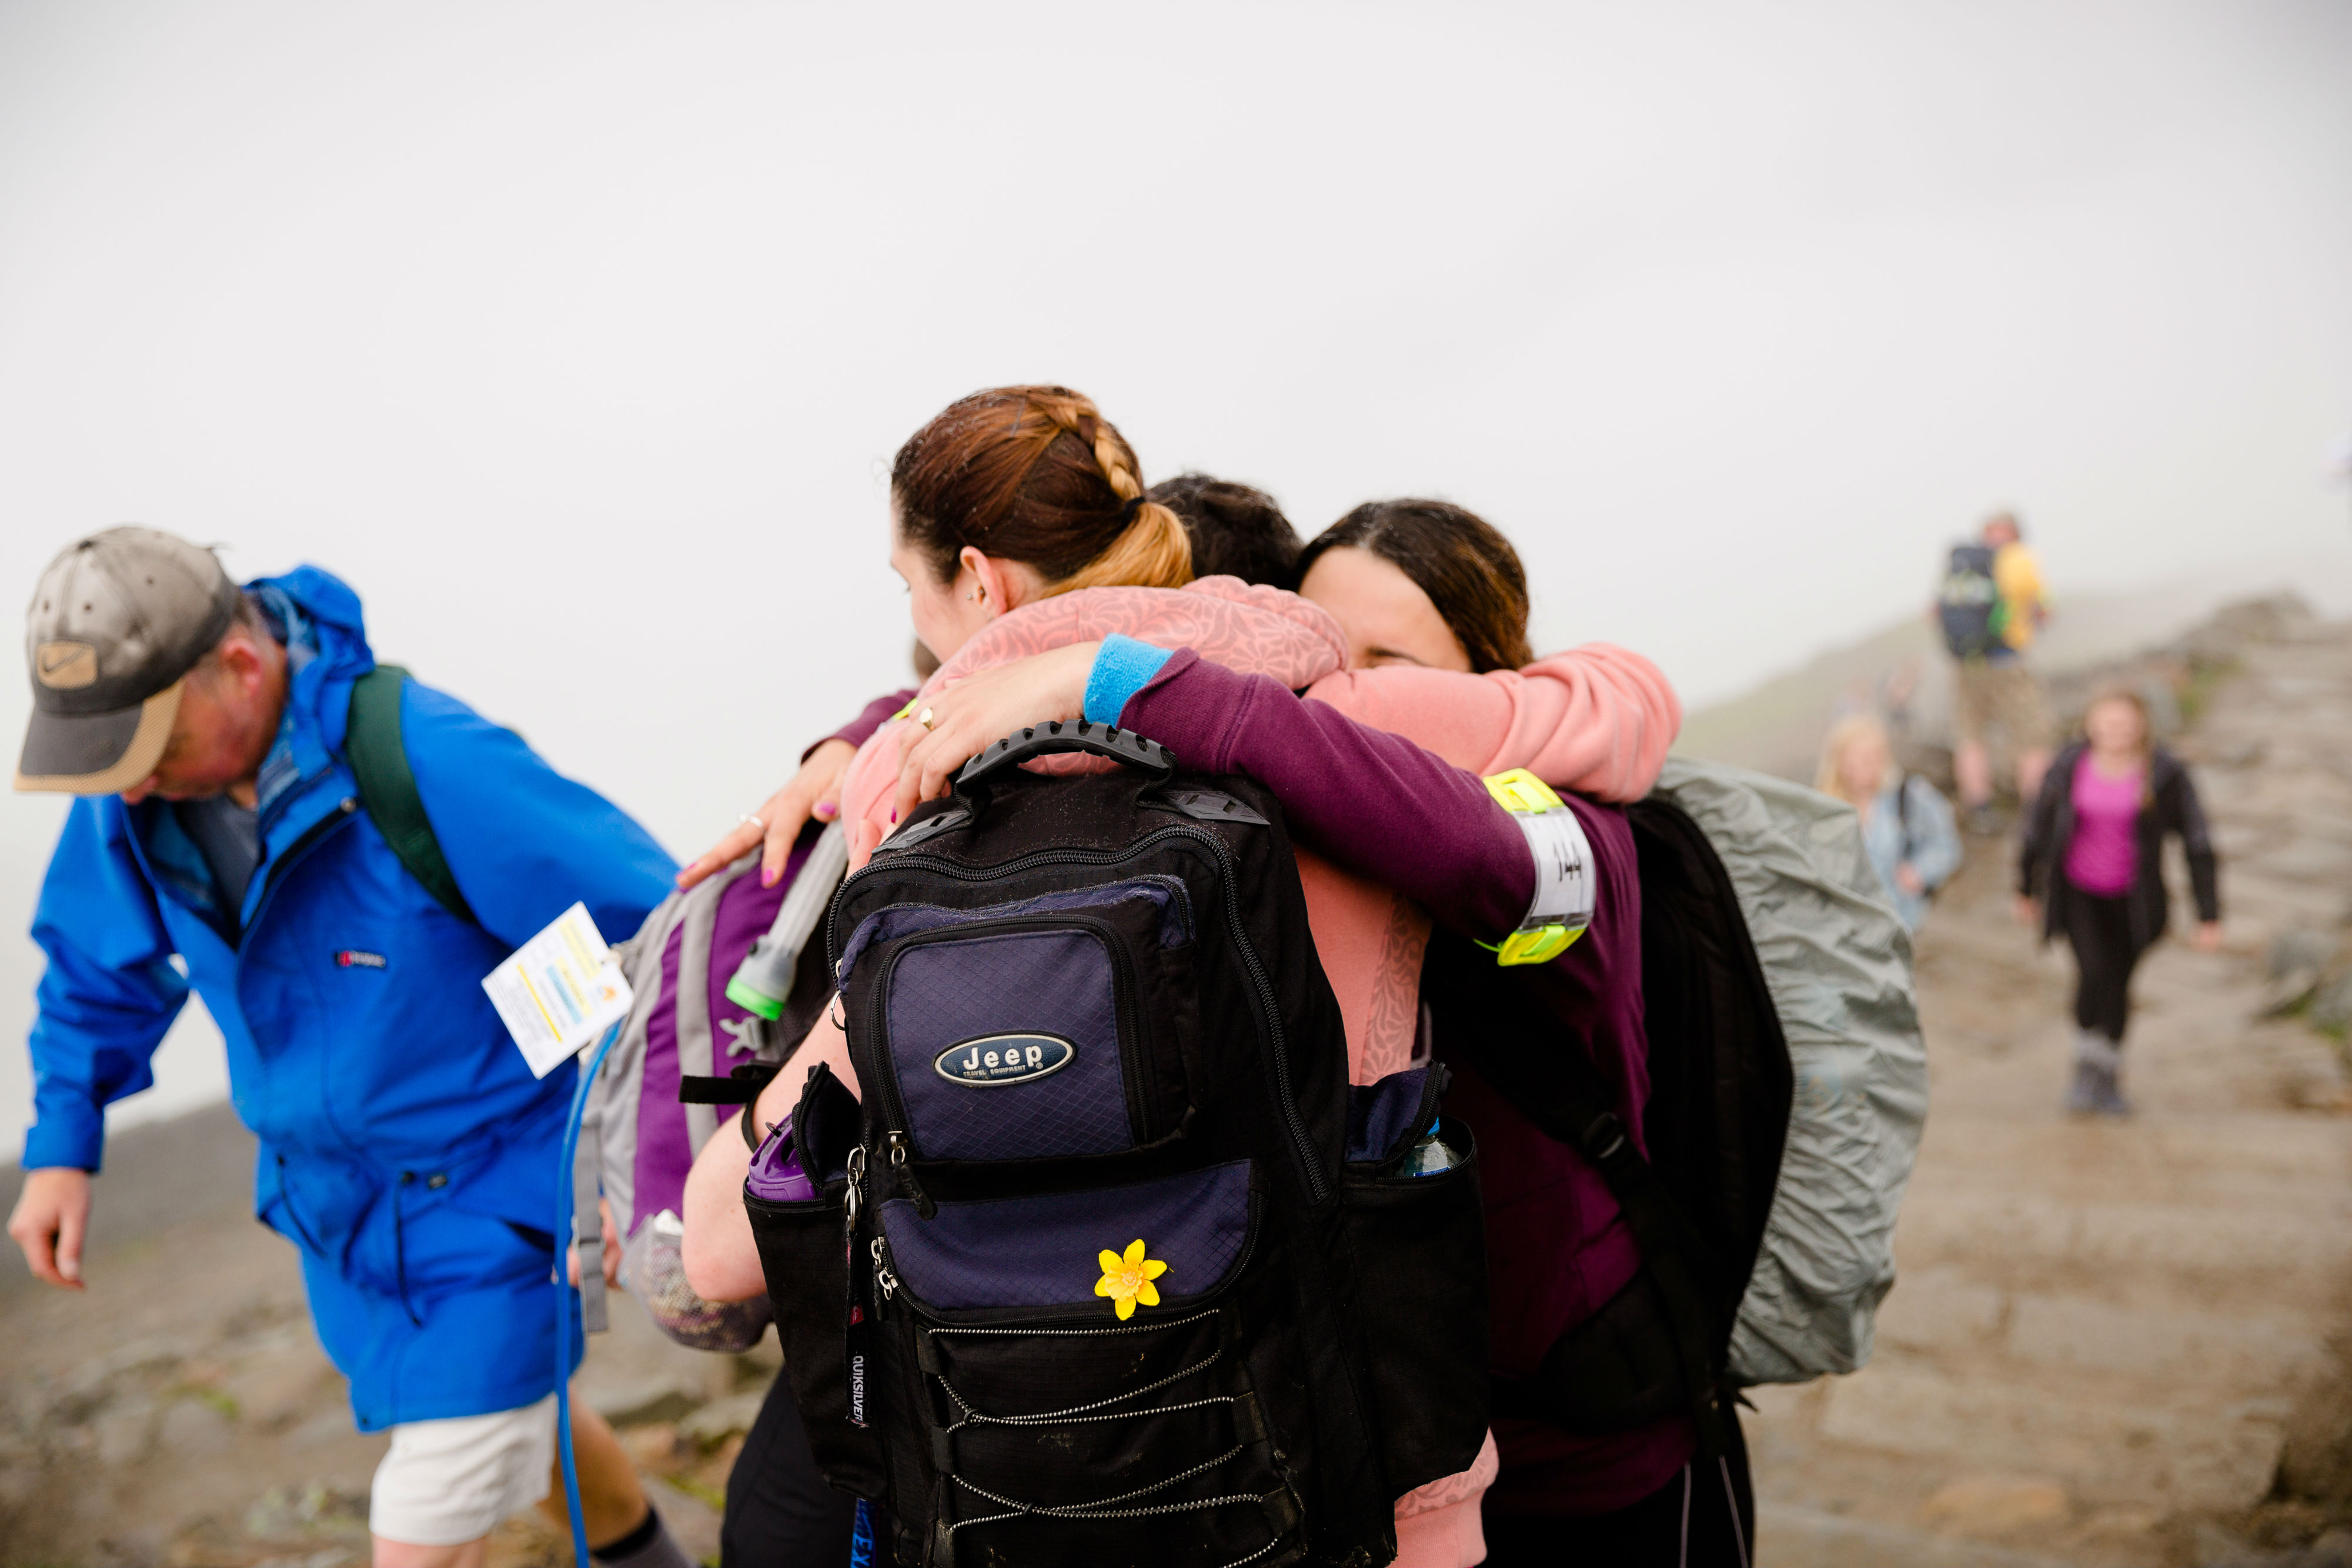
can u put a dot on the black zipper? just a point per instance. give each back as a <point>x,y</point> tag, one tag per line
<point>1125,986</point>
<point>1269,1009</point>
<point>296,853</point>
<point>885,1283</point>
<point>964,872</point>
<point>902,1170</point>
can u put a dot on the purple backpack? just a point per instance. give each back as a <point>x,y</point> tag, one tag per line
<point>728,985</point>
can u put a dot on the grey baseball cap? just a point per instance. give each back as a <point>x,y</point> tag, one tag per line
<point>118,621</point>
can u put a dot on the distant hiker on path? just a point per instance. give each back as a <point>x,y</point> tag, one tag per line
<point>2092,868</point>
<point>1906,823</point>
<point>333,856</point>
<point>1989,607</point>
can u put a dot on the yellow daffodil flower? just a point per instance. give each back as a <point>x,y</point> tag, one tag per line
<point>1128,1280</point>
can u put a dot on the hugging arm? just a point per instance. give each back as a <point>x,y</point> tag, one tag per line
<point>1373,801</point>
<point>1596,719</point>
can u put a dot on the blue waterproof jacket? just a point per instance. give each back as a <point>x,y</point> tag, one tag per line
<point>405,1148</point>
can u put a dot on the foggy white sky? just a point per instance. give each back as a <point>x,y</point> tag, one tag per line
<point>578,337</point>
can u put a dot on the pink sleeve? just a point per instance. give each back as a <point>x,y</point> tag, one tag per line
<point>1596,719</point>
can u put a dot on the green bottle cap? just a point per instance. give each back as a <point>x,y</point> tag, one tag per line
<point>752,1002</point>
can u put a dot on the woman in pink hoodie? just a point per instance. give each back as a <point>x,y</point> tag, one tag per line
<point>1016,512</point>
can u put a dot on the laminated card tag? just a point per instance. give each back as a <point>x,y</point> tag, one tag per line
<point>558,990</point>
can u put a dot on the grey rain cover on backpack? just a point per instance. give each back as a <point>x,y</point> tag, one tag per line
<point>1838,965</point>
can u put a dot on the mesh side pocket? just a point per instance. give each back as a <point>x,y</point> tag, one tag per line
<point>1421,1268</point>
<point>803,1253</point>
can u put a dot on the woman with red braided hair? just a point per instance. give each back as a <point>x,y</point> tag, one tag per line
<point>992,498</point>
<point>1021,528</point>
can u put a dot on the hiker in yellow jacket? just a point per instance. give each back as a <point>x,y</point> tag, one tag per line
<point>1989,606</point>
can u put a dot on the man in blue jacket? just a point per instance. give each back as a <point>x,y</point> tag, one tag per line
<point>406,1150</point>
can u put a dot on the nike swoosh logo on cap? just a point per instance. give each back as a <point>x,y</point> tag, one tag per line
<point>65,665</point>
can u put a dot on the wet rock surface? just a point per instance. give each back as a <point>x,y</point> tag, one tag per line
<point>2122,1342</point>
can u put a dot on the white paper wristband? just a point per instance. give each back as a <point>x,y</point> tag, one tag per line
<point>1564,891</point>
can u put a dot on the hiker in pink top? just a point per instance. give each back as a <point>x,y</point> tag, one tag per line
<point>1604,718</point>
<point>2092,867</point>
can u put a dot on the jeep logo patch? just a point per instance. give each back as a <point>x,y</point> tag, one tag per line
<point>996,1060</point>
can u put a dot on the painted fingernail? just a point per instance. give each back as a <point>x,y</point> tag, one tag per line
<point>767,877</point>
<point>827,809</point>
<point>894,813</point>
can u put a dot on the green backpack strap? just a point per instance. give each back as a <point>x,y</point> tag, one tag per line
<point>388,789</point>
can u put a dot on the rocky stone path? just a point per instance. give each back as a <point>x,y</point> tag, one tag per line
<point>2118,1343</point>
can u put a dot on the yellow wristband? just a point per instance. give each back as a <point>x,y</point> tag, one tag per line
<point>1562,908</point>
<point>1521,791</point>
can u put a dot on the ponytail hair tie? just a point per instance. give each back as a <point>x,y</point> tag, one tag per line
<point>1127,514</point>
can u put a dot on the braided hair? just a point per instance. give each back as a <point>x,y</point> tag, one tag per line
<point>1035,475</point>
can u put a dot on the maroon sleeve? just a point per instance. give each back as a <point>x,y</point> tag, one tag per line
<point>1373,802</point>
<point>860,730</point>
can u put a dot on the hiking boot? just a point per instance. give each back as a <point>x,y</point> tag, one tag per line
<point>2097,1060</point>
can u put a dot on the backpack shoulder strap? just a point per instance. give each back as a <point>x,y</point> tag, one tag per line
<point>379,762</point>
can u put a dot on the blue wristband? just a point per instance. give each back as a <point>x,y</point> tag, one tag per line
<point>1123,666</point>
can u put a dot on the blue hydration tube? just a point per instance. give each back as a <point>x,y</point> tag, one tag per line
<point>564,1288</point>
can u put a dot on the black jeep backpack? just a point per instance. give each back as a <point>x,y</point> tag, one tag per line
<point>1107,1268</point>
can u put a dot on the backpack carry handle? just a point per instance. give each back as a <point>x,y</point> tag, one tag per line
<point>1047,739</point>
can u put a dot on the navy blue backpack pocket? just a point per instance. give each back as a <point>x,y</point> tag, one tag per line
<point>1043,1253</point>
<point>1052,1028</point>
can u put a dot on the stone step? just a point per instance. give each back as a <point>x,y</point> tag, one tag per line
<point>2182,1340</point>
<point>2022,1241</point>
<point>2264,1160</point>
<point>2107,1440</point>
<point>1789,1535</point>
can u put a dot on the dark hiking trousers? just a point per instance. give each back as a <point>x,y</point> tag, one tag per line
<point>2104,954</point>
<point>1704,1517</point>
<point>780,1512</point>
